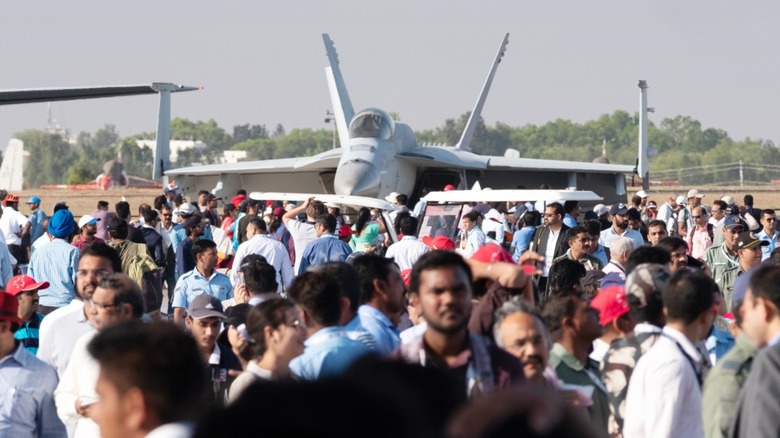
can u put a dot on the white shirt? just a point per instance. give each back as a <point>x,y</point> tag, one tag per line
<point>302,233</point>
<point>549,251</point>
<point>406,251</point>
<point>78,383</point>
<point>664,396</point>
<point>173,430</point>
<point>275,254</point>
<point>59,332</point>
<point>414,333</point>
<point>11,224</point>
<point>614,266</point>
<point>599,350</point>
<point>666,214</point>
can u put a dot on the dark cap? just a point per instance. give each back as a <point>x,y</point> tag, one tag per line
<point>618,209</point>
<point>748,239</point>
<point>192,222</point>
<point>205,306</point>
<point>116,223</point>
<point>733,221</point>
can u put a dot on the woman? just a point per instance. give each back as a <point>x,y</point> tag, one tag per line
<point>228,224</point>
<point>274,336</point>
<point>231,337</point>
<point>366,232</point>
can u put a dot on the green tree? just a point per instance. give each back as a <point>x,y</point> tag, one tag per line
<point>49,159</point>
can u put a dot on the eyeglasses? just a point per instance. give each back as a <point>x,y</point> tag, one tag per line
<point>770,219</point>
<point>99,273</point>
<point>550,215</point>
<point>101,306</point>
<point>696,217</point>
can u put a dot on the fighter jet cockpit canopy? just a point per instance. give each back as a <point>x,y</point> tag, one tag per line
<point>371,123</point>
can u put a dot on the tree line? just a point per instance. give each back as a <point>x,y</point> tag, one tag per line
<point>677,144</point>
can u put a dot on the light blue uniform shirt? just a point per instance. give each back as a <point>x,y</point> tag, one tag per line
<point>192,284</point>
<point>766,250</point>
<point>601,254</point>
<point>608,235</point>
<point>27,406</point>
<point>520,240</point>
<point>178,234</point>
<point>36,224</point>
<point>356,331</point>
<point>385,334</point>
<point>569,220</point>
<point>57,263</point>
<point>327,353</point>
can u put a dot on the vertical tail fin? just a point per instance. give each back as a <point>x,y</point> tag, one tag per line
<point>162,149</point>
<point>342,105</point>
<point>471,125</point>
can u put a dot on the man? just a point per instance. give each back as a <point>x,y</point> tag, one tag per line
<point>472,235</point>
<point>442,279</point>
<point>258,282</point>
<point>25,289</point>
<point>261,243</point>
<point>210,212</point>
<point>204,279</point>
<point>700,234</point>
<point>117,299</point>
<point>400,201</point>
<point>136,262</point>
<point>685,216</point>
<point>574,325</point>
<point>134,234</point>
<point>303,232</point>
<point>35,217</point>
<point>15,227</point>
<point>720,393</point>
<point>56,262</point>
<point>27,383</point>
<point>718,212</point>
<point>88,231</point>
<point>769,232</point>
<point>644,286</point>
<point>656,230</point>
<point>596,249</point>
<point>62,328</point>
<point>409,249</point>
<point>758,414</point>
<point>382,299</point>
<point>678,249</point>
<point>579,242</point>
<point>137,395</point>
<point>749,249</point>
<point>203,320</point>
<point>519,329</point>
<point>548,240</point>
<point>170,192</point>
<point>154,240</point>
<point>620,250</point>
<point>104,217</point>
<point>619,216</point>
<point>166,231</point>
<point>666,215</point>
<point>664,394</point>
<point>251,207</point>
<point>565,275</point>
<point>327,247</point>
<point>194,227</point>
<point>188,212</point>
<point>328,350</point>
<point>571,211</point>
<point>614,318</point>
<point>724,256</point>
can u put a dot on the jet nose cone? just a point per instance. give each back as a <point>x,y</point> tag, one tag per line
<point>357,178</point>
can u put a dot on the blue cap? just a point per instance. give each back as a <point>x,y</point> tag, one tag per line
<point>733,220</point>
<point>34,200</point>
<point>61,224</point>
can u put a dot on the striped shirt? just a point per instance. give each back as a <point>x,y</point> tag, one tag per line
<point>57,263</point>
<point>28,333</point>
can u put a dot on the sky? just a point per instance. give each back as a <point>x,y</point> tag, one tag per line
<point>263,62</point>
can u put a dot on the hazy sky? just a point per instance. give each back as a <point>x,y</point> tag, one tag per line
<point>263,62</point>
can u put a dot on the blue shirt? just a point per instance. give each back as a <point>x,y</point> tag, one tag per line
<point>520,240</point>
<point>57,263</point>
<point>569,220</point>
<point>27,387</point>
<point>766,250</point>
<point>327,353</point>
<point>192,284</point>
<point>601,254</point>
<point>28,333</point>
<point>608,235</point>
<point>327,248</point>
<point>356,331</point>
<point>36,224</point>
<point>185,261</point>
<point>385,334</point>
<point>179,234</point>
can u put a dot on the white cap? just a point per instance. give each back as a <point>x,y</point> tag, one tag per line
<point>694,193</point>
<point>728,200</point>
<point>642,194</point>
<point>87,219</point>
<point>681,199</point>
<point>600,209</point>
<point>391,198</point>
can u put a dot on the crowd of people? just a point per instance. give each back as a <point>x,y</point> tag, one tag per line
<point>271,318</point>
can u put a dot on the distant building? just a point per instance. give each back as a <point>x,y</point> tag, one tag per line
<point>233,156</point>
<point>176,146</point>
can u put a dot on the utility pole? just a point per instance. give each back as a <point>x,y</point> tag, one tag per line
<point>642,161</point>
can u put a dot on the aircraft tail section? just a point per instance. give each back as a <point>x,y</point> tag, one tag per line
<point>342,105</point>
<point>471,125</point>
<point>162,148</point>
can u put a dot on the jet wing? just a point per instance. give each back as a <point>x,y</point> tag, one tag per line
<point>328,160</point>
<point>444,157</point>
<point>504,163</point>
<point>12,97</point>
<point>360,201</point>
<point>462,196</point>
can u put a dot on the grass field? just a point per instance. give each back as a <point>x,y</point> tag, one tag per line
<point>83,202</point>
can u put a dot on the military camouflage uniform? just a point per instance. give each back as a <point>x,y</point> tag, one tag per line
<point>722,387</point>
<point>616,369</point>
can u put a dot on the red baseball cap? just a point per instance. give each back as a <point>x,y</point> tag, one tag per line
<point>449,187</point>
<point>439,242</point>
<point>611,303</point>
<point>9,307</point>
<point>345,230</point>
<point>492,253</point>
<point>24,283</point>
<point>237,200</point>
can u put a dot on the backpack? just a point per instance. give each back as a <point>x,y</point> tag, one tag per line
<point>144,271</point>
<point>710,231</point>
